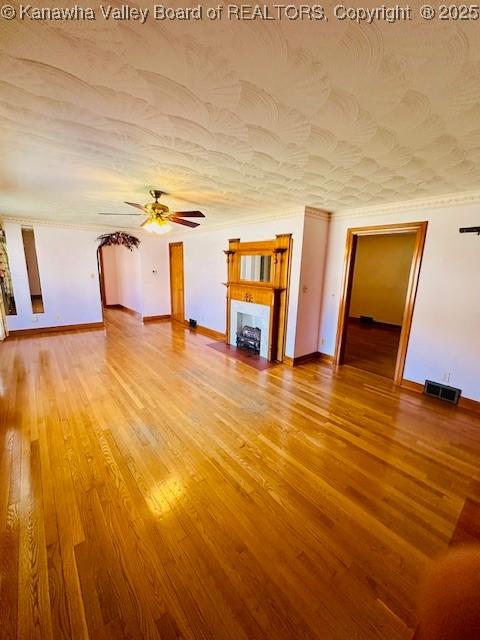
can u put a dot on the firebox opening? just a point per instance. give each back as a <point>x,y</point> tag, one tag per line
<point>248,333</point>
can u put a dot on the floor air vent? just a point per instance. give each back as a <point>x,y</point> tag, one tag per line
<point>437,390</point>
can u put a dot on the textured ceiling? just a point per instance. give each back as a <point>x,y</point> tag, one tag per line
<point>240,118</point>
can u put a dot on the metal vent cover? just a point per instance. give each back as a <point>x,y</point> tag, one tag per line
<point>442,391</point>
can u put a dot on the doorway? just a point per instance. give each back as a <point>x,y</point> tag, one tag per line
<point>382,267</point>
<point>120,279</point>
<point>101,274</point>
<point>177,281</point>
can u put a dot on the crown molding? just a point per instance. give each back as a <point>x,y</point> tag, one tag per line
<point>318,214</point>
<point>446,200</point>
<point>205,228</point>
<point>40,222</point>
<point>248,220</point>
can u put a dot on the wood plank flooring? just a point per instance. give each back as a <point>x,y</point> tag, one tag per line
<point>372,347</point>
<point>152,487</point>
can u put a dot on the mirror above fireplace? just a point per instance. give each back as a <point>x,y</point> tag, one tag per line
<point>256,268</point>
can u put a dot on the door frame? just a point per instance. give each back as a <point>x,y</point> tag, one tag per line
<point>170,245</point>
<point>420,229</point>
<point>101,277</point>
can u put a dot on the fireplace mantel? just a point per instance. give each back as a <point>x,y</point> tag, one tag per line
<point>272,294</point>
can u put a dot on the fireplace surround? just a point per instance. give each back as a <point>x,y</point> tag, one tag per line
<point>250,314</point>
<point>261,301</point>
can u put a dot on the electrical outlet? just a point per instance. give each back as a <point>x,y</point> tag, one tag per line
<point>34,319</point>
<point>446,376</point>
<point>58,317</point>
<point>322,342</point>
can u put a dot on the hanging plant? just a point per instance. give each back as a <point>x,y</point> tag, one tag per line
<point>118,238</point>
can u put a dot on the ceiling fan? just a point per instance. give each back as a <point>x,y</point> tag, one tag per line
<point>159,215</point>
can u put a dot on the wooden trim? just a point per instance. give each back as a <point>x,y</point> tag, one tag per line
<point>210,333</point>
<point>308,357</point>
<point>131,312</point>
<point>146,319</point>
<point>101,281</point>
<point>324,358</point>
<point>254,285</point>
<point>387,229</point>
<point>101,276</point>
<point>273,294</point>
<point>469,404</point>
<point>349,261</point>
<point>411,386</point>
<point>465,403</point>
<point>410,300</point>
<point>173,287</point>
<point>17,333</point>
<point>287,239</point>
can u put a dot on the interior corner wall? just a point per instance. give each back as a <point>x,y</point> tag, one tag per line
<point>67,264</point>
<point>134,279</point>
<point>205,269</point>
<point>128,278</point>
<point>314,250</point>
<point>445,336</point>
<point>380,278</point>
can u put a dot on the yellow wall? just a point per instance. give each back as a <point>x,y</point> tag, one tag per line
<point>382,267</point>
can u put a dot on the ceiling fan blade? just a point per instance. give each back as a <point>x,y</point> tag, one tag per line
<point>119,214</point>
<point>137,206</point>
<point>189,214</point>
<point>186,223</point>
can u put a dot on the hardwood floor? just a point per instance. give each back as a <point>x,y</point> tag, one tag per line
<point>152,487</point>
<point>372,347</point>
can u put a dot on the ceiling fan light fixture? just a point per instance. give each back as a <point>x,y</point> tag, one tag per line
<point>156,225</point>
<point>158,215</point>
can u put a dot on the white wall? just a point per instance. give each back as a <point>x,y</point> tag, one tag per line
<point>135,280</point>
<point>314,253</point>
<point>129,280</point>
<point>380,278</point>
<point>155,276</point>
<point>445,335</point>
<point>67,263</point>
